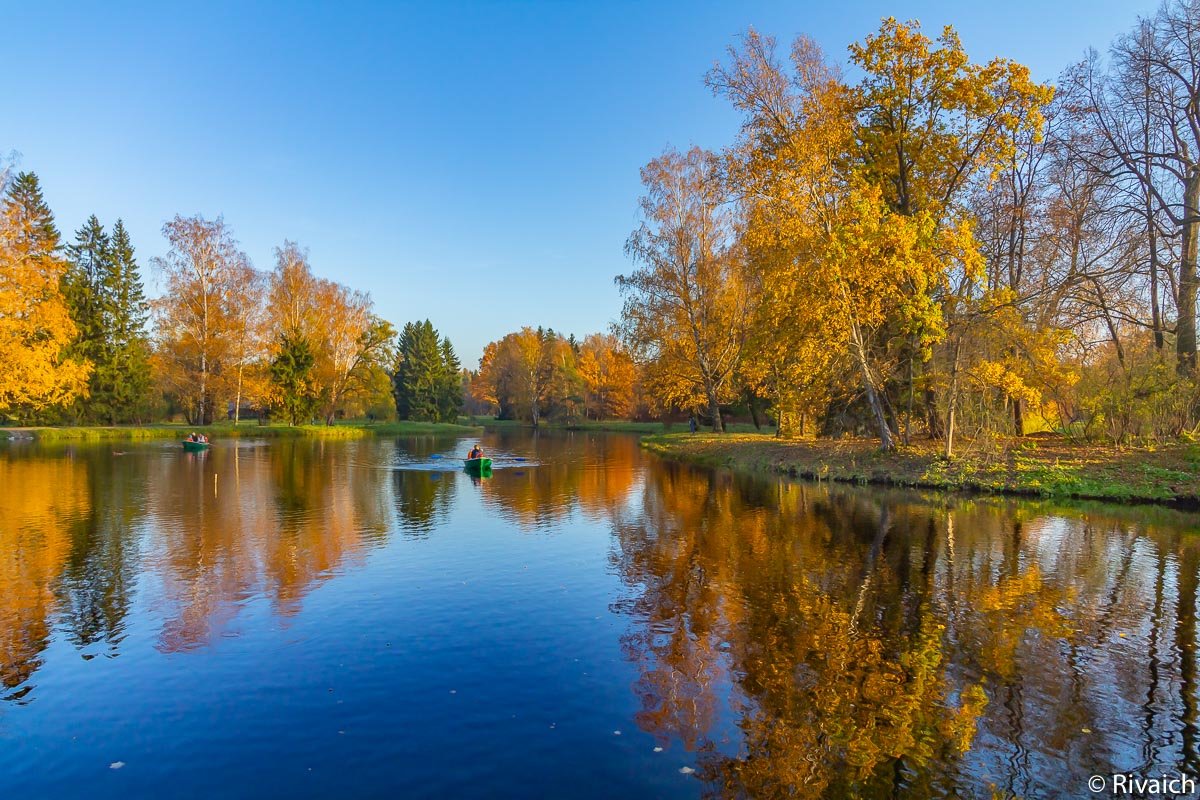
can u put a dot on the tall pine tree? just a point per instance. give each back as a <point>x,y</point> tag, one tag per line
<point>130,312</point>
<point>83,287</point>
<point>450,388</point>
<point>104,293</point>
<point>426,383</point>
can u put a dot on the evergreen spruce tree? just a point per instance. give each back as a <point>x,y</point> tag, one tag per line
<point>130,312</point>
<point>450,392</point>
<point>84,287</point>
<point>33,221</point>
<point>419,379</point>
<point>401,379</point>
<point>291,372</point>
<point>108,306</point>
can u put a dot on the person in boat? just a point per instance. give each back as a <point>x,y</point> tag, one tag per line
<point>476,452</point>
<point>191,437</point>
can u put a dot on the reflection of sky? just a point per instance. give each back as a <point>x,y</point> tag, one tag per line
<point>300,612</point>
<point>473,655</point>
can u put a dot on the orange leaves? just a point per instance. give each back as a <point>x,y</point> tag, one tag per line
<point>511,374</point>
<point>609,377</point>
<point>35,324</point>
<point>196,319</point>
<point>688,306</point>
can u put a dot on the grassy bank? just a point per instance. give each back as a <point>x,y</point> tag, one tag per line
<point>1037,467</point>
<point>220,430</point>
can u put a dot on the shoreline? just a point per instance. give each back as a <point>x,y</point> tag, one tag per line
<point>346,430</point>
<point>1028,467</point>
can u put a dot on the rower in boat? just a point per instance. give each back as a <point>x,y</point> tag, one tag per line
<point>477,462</point>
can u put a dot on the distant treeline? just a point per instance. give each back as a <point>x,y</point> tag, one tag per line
<point>81,344</point>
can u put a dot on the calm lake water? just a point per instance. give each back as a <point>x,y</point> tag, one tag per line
<point>317,619</point>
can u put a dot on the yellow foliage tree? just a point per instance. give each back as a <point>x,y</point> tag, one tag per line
<point>608,375</point>
<point>197,317</point>
<point>688,308</point>
<point>837,261</point>
<point>35,324</point>
<point>350,344</point>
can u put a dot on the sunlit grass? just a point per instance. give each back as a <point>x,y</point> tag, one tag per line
<point>1056,469</point>
<point>225,429</point>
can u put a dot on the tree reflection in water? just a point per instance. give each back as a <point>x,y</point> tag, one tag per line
<point>798,640</point>
<point>876,644</point>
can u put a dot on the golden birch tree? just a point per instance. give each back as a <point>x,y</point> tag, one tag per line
<point>688,306</point>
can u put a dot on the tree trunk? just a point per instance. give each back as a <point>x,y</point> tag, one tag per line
<point>1185,327</point>
<point>911,390</point>
<point>932,419</point>
<point>714,408</point>
<point>952,400</point>
<point>1018,416</point>
<point>1151,228</point>
<point>203,385</point>
<point>237,402</point>
<point>752,402</point>
<point>1155,309</point>
<point>886,442</point>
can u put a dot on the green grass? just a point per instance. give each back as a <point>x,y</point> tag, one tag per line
<point>341,430</point>
<point>1055,469</point>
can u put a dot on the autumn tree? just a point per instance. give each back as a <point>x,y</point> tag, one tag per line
<point>36,329</point>
<point>562,397</point>
<point>687,307</point>
<point>930,124</point>
<point>350,342</point>
<point>510,372</point>
<point>1146,122</point>
<point>530,374</point>
<point>609,376</point>
<point>195,317</point>
<point>837,263</point>
<point>248,337</point>
<point>350,345</point>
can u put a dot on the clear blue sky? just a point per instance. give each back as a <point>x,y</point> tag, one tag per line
<point>476,164</point>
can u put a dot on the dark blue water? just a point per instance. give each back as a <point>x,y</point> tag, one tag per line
<point>363,619</point>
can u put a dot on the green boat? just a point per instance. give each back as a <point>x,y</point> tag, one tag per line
<point>478,464</point>
<point>196,447</point>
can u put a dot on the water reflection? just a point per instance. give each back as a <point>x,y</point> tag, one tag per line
<point>788,640</point>
<point>42,503</point>
<point>239,522</point>
<point>79,527</point>
<point>423,500</point>
<point>878,646</point>
<point>590,473</point>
